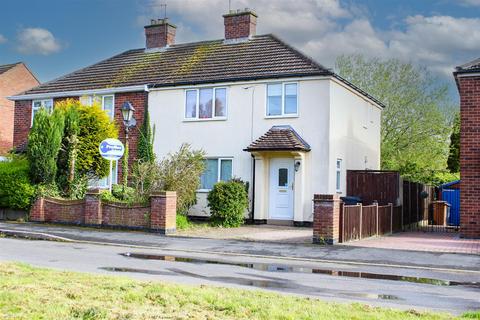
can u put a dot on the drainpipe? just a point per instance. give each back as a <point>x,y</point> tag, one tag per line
<point>252,212</point>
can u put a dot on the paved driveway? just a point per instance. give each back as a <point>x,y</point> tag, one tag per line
<point>264,233</point>
<point>447,242</point>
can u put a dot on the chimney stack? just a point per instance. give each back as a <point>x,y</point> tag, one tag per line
<point>240,24</point>
<point>159,34</point>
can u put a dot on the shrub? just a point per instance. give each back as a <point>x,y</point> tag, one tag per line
<point>182,222</point>
<point>145,144</point>
<point>16,191</point>
<point>95,126</point>
<point>44,142</point>
<point>181,172</point>
<point>145,178</point>
<point>228,202</point>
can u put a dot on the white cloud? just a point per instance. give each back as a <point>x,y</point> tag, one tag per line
<point>2,39</point>
<point>470,3</point>
<point>37,41</point>
<point>325,29</point>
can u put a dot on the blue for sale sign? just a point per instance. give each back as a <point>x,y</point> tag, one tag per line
<point>111,149</point>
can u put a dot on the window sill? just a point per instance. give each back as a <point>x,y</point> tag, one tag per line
<point>205,120</point>
<point>282,117</point>
<point>203,190</point>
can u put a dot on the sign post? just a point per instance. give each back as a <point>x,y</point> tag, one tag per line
<point>112,150</point>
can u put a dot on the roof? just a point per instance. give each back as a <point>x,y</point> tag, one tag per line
<point>262,57</point>
<point>4,68</point>
<point>449,184</point>
<point>279,138</point>
<point>472,66</point>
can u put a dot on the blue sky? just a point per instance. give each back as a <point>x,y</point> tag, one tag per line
<point>55,37</point>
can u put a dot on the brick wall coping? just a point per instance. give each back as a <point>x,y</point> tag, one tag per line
<point>125,205</point>
<point>67,202</point>
<point>326,197</point>
<point>164,194</point>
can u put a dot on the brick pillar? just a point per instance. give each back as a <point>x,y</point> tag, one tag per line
<point>326,218</point>
<point>37,211</point>
<point>93,207</point>
<point>163,212</point>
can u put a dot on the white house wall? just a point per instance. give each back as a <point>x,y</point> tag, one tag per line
<point>355,135</point>
<point>228,138</point>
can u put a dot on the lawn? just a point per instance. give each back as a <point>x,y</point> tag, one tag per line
<point>34,293</point>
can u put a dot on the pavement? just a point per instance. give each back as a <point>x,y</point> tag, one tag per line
<point>448,242</point>
<point>302,252</point>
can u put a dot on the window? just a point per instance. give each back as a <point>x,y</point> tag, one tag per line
<point>38,104</point>
<point>282,99</point>
<point>215,170</point>
<point>283,177</point>
<point>105,182</point>
<point>338,170</point>
<point>206,103</point>
<point>107,102</point>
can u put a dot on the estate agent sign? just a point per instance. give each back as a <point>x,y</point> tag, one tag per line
<point>112,150</point>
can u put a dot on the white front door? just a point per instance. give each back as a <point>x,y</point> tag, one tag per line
<point>281,189</point>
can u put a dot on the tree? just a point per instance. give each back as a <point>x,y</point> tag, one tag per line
<point>44,141</point>
<point>145,143</point>
<point>453,162</point>
<point>68,152</point>
<point>414,123</point>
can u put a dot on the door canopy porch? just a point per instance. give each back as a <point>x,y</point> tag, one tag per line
<point>279,138</point>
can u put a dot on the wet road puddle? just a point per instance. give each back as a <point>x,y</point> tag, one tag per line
<point>282,268</point>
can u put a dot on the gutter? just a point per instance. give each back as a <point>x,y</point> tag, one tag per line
<point>79,93</point>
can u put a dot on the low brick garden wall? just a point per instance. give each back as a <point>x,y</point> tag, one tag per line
<point>159,215</point>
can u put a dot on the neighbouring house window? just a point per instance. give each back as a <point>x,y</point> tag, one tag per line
<point>206,103</point>
<point>107,102</point>
<point>215,170</point>
<point>105,182</point>
<point>38,104</point>
<point>338,175</point>
<point>282,99</point>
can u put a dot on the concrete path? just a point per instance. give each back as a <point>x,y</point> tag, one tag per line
<point>344,254</point>
<point>447,242</point>
<point>402,288</point>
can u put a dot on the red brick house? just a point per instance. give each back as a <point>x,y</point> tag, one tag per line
<point>14,78</point>
<point>467,78</point>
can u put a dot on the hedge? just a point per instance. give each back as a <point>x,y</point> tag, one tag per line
<point>16,191</point>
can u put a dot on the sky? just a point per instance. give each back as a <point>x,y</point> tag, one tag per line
<point>56,37</point>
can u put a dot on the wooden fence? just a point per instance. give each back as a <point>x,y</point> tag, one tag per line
<point>416,202</point>
<point>359,222</point>
<point>374,186</point>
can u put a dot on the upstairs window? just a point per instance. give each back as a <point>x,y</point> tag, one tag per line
<point>282,99</point>
<point>219,169</point>
<point>38,104</point>
<point>106,102</point>
<point>206,103</point>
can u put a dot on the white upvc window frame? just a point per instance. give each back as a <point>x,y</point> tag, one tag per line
<point>197,106</point>
<point>338,175</point>
<point>283,115</point>
<point>91,99</point>
<point>42,105</point>
<point>219,168</point>
<point>105,185</point>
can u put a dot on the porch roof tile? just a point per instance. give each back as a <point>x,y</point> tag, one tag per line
<point>279,138</point>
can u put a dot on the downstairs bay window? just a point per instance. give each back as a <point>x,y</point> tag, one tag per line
<point>216,169</point>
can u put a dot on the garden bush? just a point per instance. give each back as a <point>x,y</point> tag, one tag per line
<point>228,202</point>
<point>16,191</point>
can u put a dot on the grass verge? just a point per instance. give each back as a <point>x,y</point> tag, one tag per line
<point>34,293</point>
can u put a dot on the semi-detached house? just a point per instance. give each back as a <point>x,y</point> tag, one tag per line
<point>261,110</point>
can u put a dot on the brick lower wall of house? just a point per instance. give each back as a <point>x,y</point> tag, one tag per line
<point>159,216</point>
<point>65,211</point>
<point>139,101</point>
<point>122,215</point>
<point>469,89</point>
